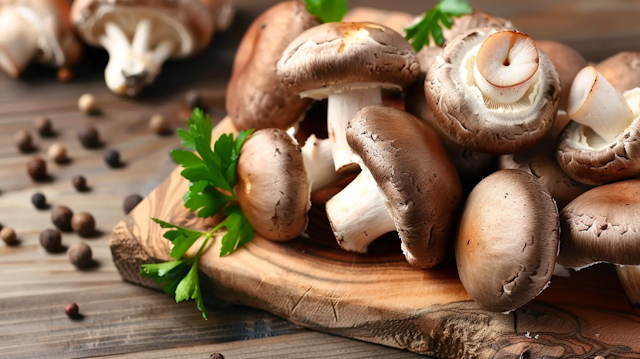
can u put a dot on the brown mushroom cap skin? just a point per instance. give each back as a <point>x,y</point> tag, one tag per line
<point>621,70</point>
<point>455,108</point>
<point>602,225</point>
<point>414,172</point>
<point>342,53</point>
<point>272,189</point>
<point>567,61</point>
<point>255,96</point>
<point>507,240</point>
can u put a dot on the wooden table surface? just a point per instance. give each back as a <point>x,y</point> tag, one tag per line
<point>122,320</point>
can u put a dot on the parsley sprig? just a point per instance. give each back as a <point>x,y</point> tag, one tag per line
<point>430,27</point>
<point>212,177</point>
<point>327,10</point>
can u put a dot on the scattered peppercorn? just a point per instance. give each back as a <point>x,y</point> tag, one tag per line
<point>159,124</point>
<point>8,235</point>
<point>80,254</point>
<point>83,224</point>
<point>39,200</point>
<point>24,141</point>
<point>112,158</point>
<point>1,226</point>
<point>58,153</point>
<point>65,74</point>
<point>37,168</point>
<point>217,356</point>
<point>61,218</point>
<point>71,310</point>
<point>89,137</point>
<point>80,183</point>
<point>87,103</point>
<point>193,99</point>
<point>51,240</point>
<point>131,202</point>
<point>44,126</point>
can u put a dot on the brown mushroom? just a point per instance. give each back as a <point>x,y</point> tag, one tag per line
<point>348,63</point>
<point>407,184</point>
<point>36,30</point>
<point>621,70</point>
<point>395,20</point>
<point>255,96</point>
<point>507,240</point>
<point>567,61</point>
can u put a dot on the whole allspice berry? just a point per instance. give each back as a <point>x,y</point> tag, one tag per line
<point>72,310</point>
<point>89,137</point>
<point>58,153</point>
<point>51,240</point>
<point>159,124</point>
<point>44,126</point>
<point>8,235</point>
<point>83,224</point>
<point>131,202</point>
<point>39,201</point>
<point>80,183</point>
<point>61,218</point>
<point>112,158</point>
<point>88,104</point>
<point>37,168</point>
<point>24,141</point>
<point>80,254</point>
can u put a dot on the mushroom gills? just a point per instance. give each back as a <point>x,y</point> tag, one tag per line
<point>359,214</point>
<point>18,40</point>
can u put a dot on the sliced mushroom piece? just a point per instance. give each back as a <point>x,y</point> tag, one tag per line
<point>601,144</point>
<point>621,70</point>
<point>567,61</point>
<point>349,63</point>
<point>492,91</point>
<point>36,30</point>
<point>407,183</point>
<point>255,96</point>
<point>507,240</point>
<point>141,35</point>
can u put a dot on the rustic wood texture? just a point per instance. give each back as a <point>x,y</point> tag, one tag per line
<point>121,318</point>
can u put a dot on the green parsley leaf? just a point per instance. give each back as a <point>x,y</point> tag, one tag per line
<point>430,27</point>
<point>182,238</point>
<point>187,139</point>
<point>189,288</point>
<point>239,231</point>
<point>327,10</point>
<point>168,274</point>
<point>186,158</point>
<point>205,199</point>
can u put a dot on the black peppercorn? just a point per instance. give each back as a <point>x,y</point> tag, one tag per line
<point>39,200</point>
<point>61,218</point>
<point>24,141</point>
<point>83,224</point>
<point>193,99</point>
<point>216,356</point>
<point>80,254</point>
<point>89,137</point>
<point>71,310</point>
<point>44,126</point>
<point>37,169</point>
<point>112,158</point>
<point>51,240</point>
<point>80,183</point>
<point>131,202</point>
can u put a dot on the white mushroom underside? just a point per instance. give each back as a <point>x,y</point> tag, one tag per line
<point>318,163</point>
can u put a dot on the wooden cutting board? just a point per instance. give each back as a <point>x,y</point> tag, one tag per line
<point>377,297</point>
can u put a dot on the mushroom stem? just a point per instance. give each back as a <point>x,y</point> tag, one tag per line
<point>358,214</point>
<point>318,162</point>
<point>593,102</point>
<point>630,279</point>
<point>18,42</point>
<point>342,107</point>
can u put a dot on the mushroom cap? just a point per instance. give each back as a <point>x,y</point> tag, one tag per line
<point>395,20</point>
<point>621,70</point>
<point>273,190</point>
<point>414,174</point>
<point>602,225</point>
<point>469,118</point>
<point>507,240</point>
<point>255,96</point>
<point>57,43</point>
<point>541,162</point>
<point>191,21</point>
<point>567,61</point>
<point>338,53</point>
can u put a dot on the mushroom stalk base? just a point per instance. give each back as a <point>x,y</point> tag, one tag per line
<point>342,107</point>
<point>18,42</point>
<point>318,162</point>
<point>630,279</point>
<point>358,214</point>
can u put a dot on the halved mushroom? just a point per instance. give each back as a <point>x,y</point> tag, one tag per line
<point>601,144</point>
<point>492,91</point>
<point>36,30</point>
<point>255,96</point>
<point>567,61</point>
<point>407,183</point>
<point>507,240</point>
<point>349,63</point>
<point>621,70</point>
<point>141,35</point>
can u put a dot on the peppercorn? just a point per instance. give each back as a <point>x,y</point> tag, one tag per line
<point>87,103</point>
<point>159,124</point>
<point>89,137</point>
<point>216,356</point>
<point>8,235</point>
<point>83,224</point>
<point>44,126</point>
<point>131,202</point>
<point>39,200</point>
<point>80,183</point>
<point>37,168</point>
<point>112,158</point>
<point>193,99</point>
<point>24,141</point>
<point>71,310</point>
<point>51,240</point>
<point>58,153</point>
<point>80,254</point>
<point>1,226</point>
<point>61,218</point>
